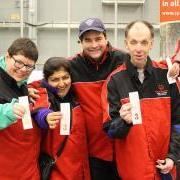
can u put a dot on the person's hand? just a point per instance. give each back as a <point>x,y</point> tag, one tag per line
<point>18,110</point>
<point>53,118</point>
<point>174,70</point>
<point>125,113</point>
<point>165,166</point>
<point>33,94</point>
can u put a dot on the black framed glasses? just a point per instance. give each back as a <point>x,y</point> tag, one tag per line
<point>19,64</point>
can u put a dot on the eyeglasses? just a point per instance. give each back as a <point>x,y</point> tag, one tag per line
<point>19,64</point>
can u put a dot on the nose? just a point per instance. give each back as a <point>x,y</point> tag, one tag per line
<point>24,69</point>
<point>94,44</point>
<point>61,83</point>
<point>138,47</point>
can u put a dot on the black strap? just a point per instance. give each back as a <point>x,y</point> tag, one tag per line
<point>59,152</point>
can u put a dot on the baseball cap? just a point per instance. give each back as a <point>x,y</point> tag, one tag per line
<point>91,24</point>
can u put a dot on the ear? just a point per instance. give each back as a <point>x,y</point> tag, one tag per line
<point>151,45</point>
<point>7,55</point>
<point>125,43</point>
<point>106,41</point>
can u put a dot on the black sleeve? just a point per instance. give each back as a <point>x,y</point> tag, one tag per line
<point>174,147</point>
<point>116,127</point>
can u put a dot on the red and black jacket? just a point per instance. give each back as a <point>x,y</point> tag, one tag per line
<point>72,164</point>
<point>88,79</point>
<point>138,147</point>
<point>19,148</point>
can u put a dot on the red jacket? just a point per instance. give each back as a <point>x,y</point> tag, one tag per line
<point>72,164</point>
<point>138,147</point>
<point>88,79</point>
<point>19,152</point>
<point>19,148</point>
<point>136,155</point>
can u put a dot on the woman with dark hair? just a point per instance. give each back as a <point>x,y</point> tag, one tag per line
<point>54,89</point>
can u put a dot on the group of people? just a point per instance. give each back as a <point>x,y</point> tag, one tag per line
<point>103,144</point>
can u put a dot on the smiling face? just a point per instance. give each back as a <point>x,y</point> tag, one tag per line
<point>19,67</point>
<point>139,43</point>
<point>61,80</point>
<point>94,44</point>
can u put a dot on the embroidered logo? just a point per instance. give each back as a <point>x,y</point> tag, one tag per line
<point>89,22</point>
<point>161,90</point>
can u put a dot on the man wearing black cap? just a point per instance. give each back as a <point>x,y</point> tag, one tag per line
<point>90,69</point>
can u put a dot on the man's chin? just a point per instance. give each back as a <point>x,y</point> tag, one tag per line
<point>95,55</point>
<point>140,59</point>
<point>96,58</point>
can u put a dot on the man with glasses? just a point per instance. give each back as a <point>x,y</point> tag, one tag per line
<point>19,147</point>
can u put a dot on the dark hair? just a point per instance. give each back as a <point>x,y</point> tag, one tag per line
<point>54,64</point>
<point>25,47</point>
<point>82,36</point>
<point>146,23</point>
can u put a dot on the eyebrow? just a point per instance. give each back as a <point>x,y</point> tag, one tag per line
<point>30,65</point>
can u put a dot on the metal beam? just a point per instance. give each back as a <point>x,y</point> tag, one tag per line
<point>22,18</point>
<point>63,25</point>
<point>124,2</point>
<point>32,19</point>
<point>68,27</point>
<point>115,23</point>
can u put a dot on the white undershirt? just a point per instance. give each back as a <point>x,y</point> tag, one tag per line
<point>141,75</point>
